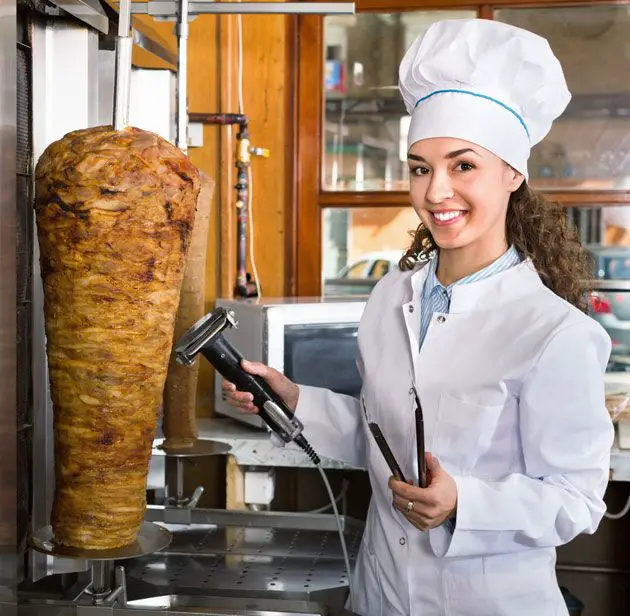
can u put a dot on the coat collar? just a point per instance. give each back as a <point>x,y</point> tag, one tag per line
<point>501,288</point>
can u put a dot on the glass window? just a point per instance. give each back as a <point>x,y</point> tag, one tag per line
<point>365,120</point>
<point>605,232</point>
<point>368,241</point>
<point>379,269</point>
<point>589,146</point>
<point>358,270</point>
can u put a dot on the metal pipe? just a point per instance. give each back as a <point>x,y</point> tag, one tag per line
<point>101,578</point>
<point>243,160</point>
<point>124,44</point>
<point>182,67</point>
<point>180,481</point>
<point>168,8</point>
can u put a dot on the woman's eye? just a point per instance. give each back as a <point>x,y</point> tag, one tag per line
<point>464,166</point>
<point>419,171</point>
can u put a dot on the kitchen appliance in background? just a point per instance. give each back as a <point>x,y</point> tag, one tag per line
<point>313,341</point>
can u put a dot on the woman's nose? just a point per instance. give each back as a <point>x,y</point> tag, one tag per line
<point>440,188</point>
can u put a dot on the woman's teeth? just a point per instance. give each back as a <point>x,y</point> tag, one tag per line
<point>446,216</point>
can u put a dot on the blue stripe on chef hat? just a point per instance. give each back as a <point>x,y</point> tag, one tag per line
<point>489,98</point>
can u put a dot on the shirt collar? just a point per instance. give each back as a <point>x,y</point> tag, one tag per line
<point>508,259</point>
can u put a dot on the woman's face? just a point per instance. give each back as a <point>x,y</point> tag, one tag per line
<point>461,191</point>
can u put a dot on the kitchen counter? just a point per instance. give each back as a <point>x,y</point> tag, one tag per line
<point>251,447</point>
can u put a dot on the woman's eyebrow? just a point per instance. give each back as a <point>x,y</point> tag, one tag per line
<point>453,154</point>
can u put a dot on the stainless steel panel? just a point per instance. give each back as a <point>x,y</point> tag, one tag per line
<point>262,519</point>
<point>52,610</point>
<point>182,605</point>
<point>143,40</point>
<point>273,542</point>
<point>106,74</point>
<point>254,447</point>
<point>65,60</point>
<point>235,605</point>
<point>88,11</point>
<point>24,251</point>
<point>8,427</point>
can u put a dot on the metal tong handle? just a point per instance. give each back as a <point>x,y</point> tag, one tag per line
<point>124,44</point>
<point>421,450</point>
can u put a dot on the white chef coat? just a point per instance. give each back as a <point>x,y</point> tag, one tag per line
<point>511,386</point>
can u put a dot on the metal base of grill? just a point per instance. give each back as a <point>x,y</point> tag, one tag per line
<point>247,561</point>
<point>199,448</point>
<point>233,563</point>
<point>151,538</point>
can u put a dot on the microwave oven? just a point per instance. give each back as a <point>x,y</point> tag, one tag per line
<point>313,341</point>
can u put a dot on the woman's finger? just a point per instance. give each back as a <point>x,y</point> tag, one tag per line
<point>419,509</point>
<point>240,397</point>
<point>419,521</point>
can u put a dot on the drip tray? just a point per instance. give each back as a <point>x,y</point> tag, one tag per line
<point>265,563</point>
<point>235,606</point>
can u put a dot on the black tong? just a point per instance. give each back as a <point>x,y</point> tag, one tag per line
<point>422,463</point>
<point>383,446</point>
<point>394,467</point>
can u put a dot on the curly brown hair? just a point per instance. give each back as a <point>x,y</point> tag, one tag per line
<point>539,229</point>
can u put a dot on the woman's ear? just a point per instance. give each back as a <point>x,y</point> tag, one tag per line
<point>513,178</point>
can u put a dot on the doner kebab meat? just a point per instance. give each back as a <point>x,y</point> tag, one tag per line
<point>114,213</point>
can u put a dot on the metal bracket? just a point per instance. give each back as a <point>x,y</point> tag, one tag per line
<point>99,588</point>
<point>169,8</point>
<point>87,11</point>
<point>179,500</point>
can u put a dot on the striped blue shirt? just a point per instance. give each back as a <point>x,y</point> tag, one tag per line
<point>437,298</point>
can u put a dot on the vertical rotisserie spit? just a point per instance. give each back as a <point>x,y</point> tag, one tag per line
<point>114,214</point>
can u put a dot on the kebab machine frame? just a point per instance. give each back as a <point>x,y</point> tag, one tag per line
<point>186,560</point>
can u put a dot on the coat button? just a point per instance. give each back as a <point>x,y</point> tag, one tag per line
<point>402,541</point>
<point>410,308</point>
<point>441,319</point>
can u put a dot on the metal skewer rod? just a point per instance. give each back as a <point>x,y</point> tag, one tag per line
<point>182,67</point>
<point>101,579</point>
<point>124,44</point>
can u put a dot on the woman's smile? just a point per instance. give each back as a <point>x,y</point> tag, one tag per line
<point>444,218</point>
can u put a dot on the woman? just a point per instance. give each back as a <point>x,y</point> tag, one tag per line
<point>485,319</point>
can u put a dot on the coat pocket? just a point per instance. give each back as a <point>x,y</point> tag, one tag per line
<point>463,432</point>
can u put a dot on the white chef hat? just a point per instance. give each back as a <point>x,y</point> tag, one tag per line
<point>483,81</point>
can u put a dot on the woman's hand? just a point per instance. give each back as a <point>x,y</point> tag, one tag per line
<point>430,506</point>
<point>284,387</point>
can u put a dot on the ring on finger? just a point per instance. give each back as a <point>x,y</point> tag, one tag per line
<point>409,507</point>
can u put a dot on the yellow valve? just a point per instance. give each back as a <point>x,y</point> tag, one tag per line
<point>262,152</point>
